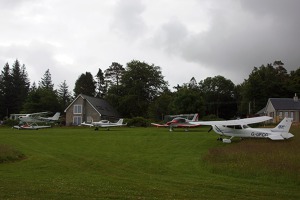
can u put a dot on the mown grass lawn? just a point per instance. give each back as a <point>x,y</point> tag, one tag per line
<point>146,163</point>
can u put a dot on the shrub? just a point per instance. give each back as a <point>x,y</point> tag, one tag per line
<point>9,154</point>
<point>10,122</point>
<point>138,122</point>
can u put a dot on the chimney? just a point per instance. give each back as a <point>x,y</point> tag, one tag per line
<point>295,98</point>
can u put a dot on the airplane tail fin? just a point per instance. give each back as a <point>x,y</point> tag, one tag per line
<point>56,116</point>
<point>195,118</point>
<point>284,127</point>
<point>120,122</point>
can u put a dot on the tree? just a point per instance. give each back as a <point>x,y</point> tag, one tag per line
<point>40,100</point>
<point>20,87</point>
<point>188,100</point>
<point>64,96</point>
<point>263,83</point>
<point>220,96</point>
<point>293,83</point>
<point>46,81</point>
<point>85,84</point>
<point>14,88</point>
<point>114,73</point>
<point>101,86</point>
<point>43,98</point>
<point>141,83</point>
<point>6,91</point>
<point>161,105</point>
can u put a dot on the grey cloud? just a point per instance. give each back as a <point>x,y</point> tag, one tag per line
<point>240,39</point>
<point>171,36</point>
<point>37,56</point>
<point>127,19</point>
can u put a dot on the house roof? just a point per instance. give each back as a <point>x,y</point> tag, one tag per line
<point>285,103</point>
<point>100,105</point>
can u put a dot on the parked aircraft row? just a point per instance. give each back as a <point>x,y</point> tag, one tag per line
<point>230,128</point>
<point>237,128</point>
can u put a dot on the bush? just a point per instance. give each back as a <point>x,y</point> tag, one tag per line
<point>138,122</point>
<point>9,154</point>
<point>10,122</point>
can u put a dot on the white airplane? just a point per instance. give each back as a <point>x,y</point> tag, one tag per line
<point>105,124</point>
<point>29,121</point>
<point>37,117</point>
<point>240,128</point>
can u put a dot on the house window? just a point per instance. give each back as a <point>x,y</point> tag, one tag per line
<point>286,114</point>
<point>77,120</point>
<point>77,109</point>
<point>89,119</point>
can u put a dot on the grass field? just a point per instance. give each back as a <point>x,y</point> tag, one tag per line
<point>147,163</point>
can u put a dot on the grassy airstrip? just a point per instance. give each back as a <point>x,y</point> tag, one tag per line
<point>147,163</point>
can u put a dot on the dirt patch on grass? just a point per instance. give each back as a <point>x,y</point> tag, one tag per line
<point>10,154</point>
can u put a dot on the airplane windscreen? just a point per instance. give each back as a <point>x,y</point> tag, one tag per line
<point>246,126</point>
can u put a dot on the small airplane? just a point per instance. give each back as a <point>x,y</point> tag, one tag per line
<point>29,121</point>
<point>37,117</point>
<point>105,124</point>
<point>32,126</point>
<point>240,128</point>
<point>179,122</point>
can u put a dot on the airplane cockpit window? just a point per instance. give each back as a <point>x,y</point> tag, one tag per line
<point>235,127</point>
<point>245,126</point>
<point>181,120</point>
<point>238,127</point>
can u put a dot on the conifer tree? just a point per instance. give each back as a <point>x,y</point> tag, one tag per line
<point>101,86</point>
<point>46,81</point>
<point>64,96</point>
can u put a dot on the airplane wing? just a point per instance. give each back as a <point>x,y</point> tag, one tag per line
<point>111,125</point>
<point>244,121</point>
<point>38,114</point>
<point>187,125</point>
<point>160,125</point>
<point>86,124</point>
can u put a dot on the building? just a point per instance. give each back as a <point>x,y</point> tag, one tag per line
<point>278,108</point>
<point>87,109</point>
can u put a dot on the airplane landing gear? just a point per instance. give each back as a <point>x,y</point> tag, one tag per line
<point>220,139</point>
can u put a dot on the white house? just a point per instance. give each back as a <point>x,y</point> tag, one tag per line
<point>278,108</point>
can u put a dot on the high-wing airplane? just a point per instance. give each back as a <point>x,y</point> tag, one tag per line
<point>105,124</point>
<point>37,117</point>
<point>240,128</point>
<point>179,122</point>
<point>29,121</point>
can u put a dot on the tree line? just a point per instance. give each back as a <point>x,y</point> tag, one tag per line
<point>139,89</point>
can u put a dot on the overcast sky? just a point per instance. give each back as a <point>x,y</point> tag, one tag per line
<point>186,38</point>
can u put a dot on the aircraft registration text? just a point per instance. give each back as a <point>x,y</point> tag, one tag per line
<point>259,134</point>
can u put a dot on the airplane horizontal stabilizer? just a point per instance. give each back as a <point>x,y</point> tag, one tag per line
<point>275,137</point>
